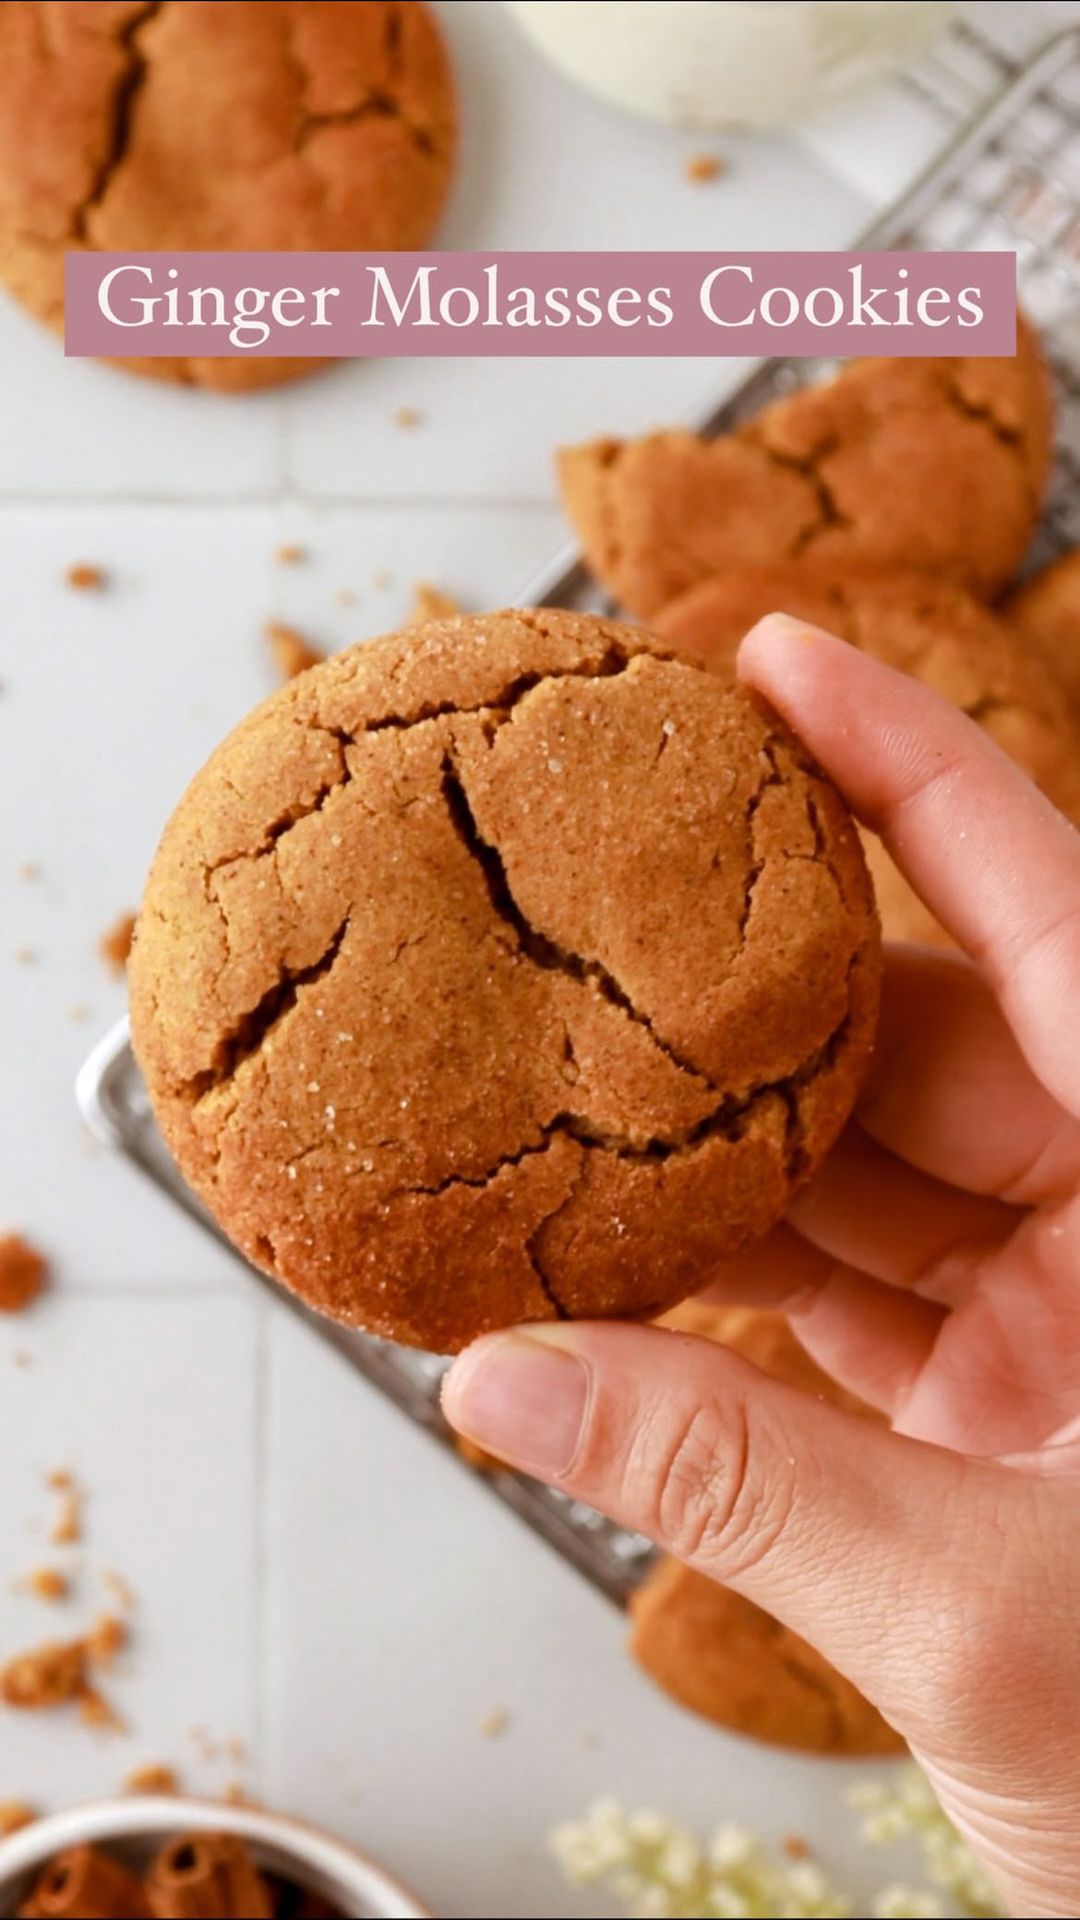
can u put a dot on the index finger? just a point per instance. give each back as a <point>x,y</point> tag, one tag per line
<point>996,863</point>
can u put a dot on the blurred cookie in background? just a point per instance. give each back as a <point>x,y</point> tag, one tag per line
<point>728,1660</point>
<point>935,465</point>
<point>1045,609</point>
<point>217,125</point>
<point>925,627</point>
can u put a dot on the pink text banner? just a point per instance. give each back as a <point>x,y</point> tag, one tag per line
<point>352,305</point>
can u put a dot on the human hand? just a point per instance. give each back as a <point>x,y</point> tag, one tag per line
<point>932,1266</point>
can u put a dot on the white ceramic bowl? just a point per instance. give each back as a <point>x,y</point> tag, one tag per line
<point>718,63</point>
<point>135,1827</point>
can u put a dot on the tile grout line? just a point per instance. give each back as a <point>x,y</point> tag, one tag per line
<point>260,1558</point>
<point>269,501</point>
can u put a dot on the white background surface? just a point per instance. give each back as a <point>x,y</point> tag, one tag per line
<point>314,1577</point>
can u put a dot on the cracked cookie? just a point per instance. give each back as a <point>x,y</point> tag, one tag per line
<point>926,627</point>
<point>717,1653</point>
<point>937,465</point>
<point>503,969</point>
<point>730,1661</point>
<point>1045,610</point>
<point>216,124</point>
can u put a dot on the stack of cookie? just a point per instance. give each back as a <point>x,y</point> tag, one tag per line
<point>893,506</point>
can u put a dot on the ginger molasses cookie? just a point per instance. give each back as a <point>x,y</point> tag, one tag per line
<point>924,626</point>
<point>216,124</point>
<point>728,1660</point>
<point>503,969</point>
<point>1045,610</point>
<point>938,465</point>
<point>717,1653</point>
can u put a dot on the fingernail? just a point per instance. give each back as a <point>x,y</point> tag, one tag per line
<point>522,1396</point>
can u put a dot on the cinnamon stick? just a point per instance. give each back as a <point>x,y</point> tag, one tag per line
<point>207,1876</point>
<point>83,1884</point>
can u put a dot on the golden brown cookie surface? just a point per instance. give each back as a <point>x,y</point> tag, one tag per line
<point>1045,610</point>
<point>216,124</point>
<point>501,969</point>
<point>937,465</point>
<point>726,1659</point>
<point>923,626</point>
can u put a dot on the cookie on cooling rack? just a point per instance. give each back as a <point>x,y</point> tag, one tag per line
<point>938,465</point>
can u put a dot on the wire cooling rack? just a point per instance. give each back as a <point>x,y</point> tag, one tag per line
<point>1009,179</point>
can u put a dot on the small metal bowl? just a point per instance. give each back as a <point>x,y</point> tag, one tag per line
<point>134,1828</point>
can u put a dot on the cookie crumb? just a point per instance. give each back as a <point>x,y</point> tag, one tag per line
<point>495,1724</point>
<point>45,1677</point>
<point>26,956</point>
<point>22,1357</point>
<point>382,579</point>
<point>14,1816</point>
<point>96,1711</point>
<point>345,597</point>
<point>67,1527</point>
<point>115,944</point>
<point>30,871</point>
<point>290,554</point>
<point>235,1795</point>
<point>80,1013</point>
<point>23,1273</point>
<point>407,417</point>
<point>106,1638</point>
<point>476,1456</point>
<point>119,1588</point>
<point>292,654</point>
<point>86,577</point>
<point>48,1583</point>
<point>795,1847</point>
<point>153,1778</point>
<point>702,167</point>
<point>430,603</point>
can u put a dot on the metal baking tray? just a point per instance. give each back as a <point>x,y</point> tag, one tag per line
<point>1010,178</point>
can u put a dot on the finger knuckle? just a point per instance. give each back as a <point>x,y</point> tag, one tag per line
<point>711,1502</point>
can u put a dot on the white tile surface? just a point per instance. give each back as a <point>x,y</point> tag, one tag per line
<point>153,1404</point>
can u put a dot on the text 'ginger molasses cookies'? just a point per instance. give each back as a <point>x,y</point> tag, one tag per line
<point>217,125</point>
<point>938,465</point>
<point>1045,611</point>
<point>925,627</point>
<point>501,970</point>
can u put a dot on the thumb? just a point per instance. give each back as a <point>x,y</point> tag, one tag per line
<point>866,1543</point>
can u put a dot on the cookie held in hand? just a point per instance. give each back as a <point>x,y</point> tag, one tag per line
<point>216,125</point>
<point>503,969</point>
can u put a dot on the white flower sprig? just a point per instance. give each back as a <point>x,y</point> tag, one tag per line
<point>659,1870</point>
